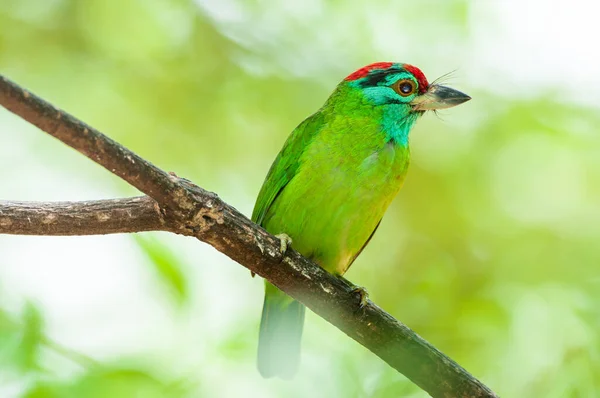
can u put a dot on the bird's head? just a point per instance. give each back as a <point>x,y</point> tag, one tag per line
<point>389,83</point>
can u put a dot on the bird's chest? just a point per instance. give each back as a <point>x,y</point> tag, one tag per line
<point>364,177</point>
<point>361,192</point>
<point>337,199</point>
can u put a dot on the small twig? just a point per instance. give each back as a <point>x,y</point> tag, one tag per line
<point>190,210</point>
<point>82,360</point>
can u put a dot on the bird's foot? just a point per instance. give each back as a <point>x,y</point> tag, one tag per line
<point>363,296</point>
<point>359,291</point>
<point>285,242</point>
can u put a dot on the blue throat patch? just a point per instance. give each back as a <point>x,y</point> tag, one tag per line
<point>397,117</point>
<point>397,123</point>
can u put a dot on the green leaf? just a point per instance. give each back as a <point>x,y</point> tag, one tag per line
<point>167,266</point>
<point>43,390</point>
<point>9,339</point>
<point>32,338</point>
<point>113,383</point>
<point>20,341</point>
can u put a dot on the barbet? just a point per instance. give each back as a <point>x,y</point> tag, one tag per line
<point>332,182</point>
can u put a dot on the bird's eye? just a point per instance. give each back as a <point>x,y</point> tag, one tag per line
<point>405,87</point>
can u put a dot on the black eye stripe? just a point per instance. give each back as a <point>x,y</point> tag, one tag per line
<point>377,77</point>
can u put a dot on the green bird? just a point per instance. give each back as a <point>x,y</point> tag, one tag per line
<point>333,180</point>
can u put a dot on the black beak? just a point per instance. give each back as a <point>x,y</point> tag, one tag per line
<point>439,97</point>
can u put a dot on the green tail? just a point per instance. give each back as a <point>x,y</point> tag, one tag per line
<point>280,334</point>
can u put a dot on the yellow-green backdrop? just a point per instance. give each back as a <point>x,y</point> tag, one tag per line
<point>491,251</point>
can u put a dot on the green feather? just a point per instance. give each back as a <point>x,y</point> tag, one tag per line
<point>286,165</point>
<point>280,334</point>
<point>282,318</point>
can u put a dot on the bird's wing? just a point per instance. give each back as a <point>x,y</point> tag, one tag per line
<point>286,164</point>
<point>363,246</point>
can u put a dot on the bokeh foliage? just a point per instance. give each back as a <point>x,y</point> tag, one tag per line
<point>490,252</point>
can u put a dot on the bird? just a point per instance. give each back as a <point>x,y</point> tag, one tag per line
<point>330,185</point>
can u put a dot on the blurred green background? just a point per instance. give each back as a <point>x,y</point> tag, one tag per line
<point>490,252</point>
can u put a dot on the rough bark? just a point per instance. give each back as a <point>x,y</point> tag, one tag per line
<point>97,217</point>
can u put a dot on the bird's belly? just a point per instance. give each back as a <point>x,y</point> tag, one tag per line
<point>330,213</point>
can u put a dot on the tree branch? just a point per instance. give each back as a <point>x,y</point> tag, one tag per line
<point>140,173</point>
<point>81,218</point>
<point>189,210</point>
